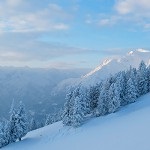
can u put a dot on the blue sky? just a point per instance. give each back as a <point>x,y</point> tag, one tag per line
<point>71,33</point>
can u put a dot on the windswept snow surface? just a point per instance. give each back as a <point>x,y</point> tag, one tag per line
<point>128,129</point>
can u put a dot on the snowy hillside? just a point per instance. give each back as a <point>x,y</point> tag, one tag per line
<point>128,129</point>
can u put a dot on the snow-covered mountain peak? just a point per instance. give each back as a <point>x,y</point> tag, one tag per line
<point>143,50</point>
<point>139,52</point>
<point>116,64</point>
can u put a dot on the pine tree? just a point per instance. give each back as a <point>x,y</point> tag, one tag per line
<point>78,115</point>
<point>2,141</point>
<point>102,108</point>
<point>22,123</point>
<point>33,125</point>
<point>68,108</point>
<point>131,93</point>
<point>133,76</point>
<point>85,101</point>
<point>4,134</point>
<point>105,94</point>
<point>93,96</point>
<point>114,98</point>
<point>121,82</point>
<point>142,79</point>
<point>48,120</point>
<point>12,125</point>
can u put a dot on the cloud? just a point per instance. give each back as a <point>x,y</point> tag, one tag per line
<point>13,3</point>
<point>25,47</point>
<point>132,6</point>
<point>133,12</point>
<point>17,16</point>
<point>10,55</point>
<point>123,7</point>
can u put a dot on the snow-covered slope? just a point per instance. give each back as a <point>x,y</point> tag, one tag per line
<point>114,65</point>
<point>128,129</point>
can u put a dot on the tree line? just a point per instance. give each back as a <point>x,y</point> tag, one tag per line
<point>107,96</point>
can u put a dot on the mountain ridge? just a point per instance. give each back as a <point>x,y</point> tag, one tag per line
<point>114,65</point>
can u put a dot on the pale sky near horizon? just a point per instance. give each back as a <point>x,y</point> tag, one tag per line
<point>71,33</point>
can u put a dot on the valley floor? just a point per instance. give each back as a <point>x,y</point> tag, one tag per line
<point>128,129</point>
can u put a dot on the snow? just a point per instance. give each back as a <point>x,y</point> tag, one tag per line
<point>107,67</point>
<point>105,62</point>
<point>127,129</point>
<point>116,64</point>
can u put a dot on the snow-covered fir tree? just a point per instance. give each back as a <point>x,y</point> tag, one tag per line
<point>12,125</point>
<point>133,76</point>
<point>2,140</point>
<point>51,118</point>
<point>78,115</point>
<point>131,92</point>
<point>68,108</point>
<point>85,100</point>
<point>22,122</point>
<point>102,107</point>
<point>4,134</point>
<point>142,79</point>
<point>113,98</point>
<point>100,110</point>
<point>33,125</point>
<point>48,120</point>
<point>94,93</point>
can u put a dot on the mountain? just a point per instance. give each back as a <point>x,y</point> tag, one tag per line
<point>127,129</point>
<point>116,64</point>
<point>107,67</point>
<point>33,86</point>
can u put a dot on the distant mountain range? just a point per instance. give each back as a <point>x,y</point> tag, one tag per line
<point>33,87</point>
